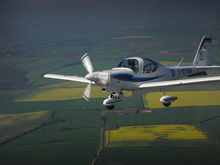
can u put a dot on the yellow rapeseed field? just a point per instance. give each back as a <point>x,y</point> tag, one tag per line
<point>63,91</point>
<point>66,84</point>
<point>144,135</point>
<point>185,98</point>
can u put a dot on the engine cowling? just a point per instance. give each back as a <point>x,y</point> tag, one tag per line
<point>167,100</point>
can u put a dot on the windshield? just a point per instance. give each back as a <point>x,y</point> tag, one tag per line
<point>130,63</point>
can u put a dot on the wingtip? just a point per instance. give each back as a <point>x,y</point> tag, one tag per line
<point>48,75</point>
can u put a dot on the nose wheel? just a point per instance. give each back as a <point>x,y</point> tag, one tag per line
<point>113,98</point>
<point>110,107</point>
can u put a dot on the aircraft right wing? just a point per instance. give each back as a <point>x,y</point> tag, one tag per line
<point>207,67</point>
<point>70,78</point>
<point>178,82</point>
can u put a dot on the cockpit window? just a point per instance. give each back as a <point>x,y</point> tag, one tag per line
<point>149,66</point>
<point>130,63</point>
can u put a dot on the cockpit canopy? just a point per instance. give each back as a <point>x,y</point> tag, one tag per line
<point>149,65</point>
<point>139,65</point>
<point>130,63</point>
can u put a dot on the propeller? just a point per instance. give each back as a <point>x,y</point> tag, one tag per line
<point>88,66</point>
<point>87,92</point>
<point>93,77</point>
<point>87,63</point>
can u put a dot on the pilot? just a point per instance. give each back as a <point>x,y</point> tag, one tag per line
<point>131,64</point>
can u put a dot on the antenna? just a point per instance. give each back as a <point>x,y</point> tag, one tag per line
<point>180,62</point>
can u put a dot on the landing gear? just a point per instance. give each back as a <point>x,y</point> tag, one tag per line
<point>110,107</point>
<point>166,104</point>
<point>113,98</point>
<point>167,100</point>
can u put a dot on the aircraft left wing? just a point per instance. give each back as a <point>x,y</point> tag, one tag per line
<point>179,82</point>
<point>70,78</point>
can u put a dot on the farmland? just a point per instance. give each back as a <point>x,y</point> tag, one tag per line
<point>144,135</point>
<point>185,98</point>
<point>173,134</point>
<point>63,91</point>
<point>77,130</point>
<point>14,125</point>
<point>46,121</point>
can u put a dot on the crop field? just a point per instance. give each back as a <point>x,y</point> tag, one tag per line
<point>173,134</point>
<point>63,91</point>
<point>46,121</point>
<point>146,135</point>
<point>185,98</point>
<point>13,125</point>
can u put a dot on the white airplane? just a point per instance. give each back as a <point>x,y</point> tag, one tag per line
<point>136,73</point>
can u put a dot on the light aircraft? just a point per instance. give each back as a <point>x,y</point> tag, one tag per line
<point>142,73</point>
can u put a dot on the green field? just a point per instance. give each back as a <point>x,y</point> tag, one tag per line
<point>74,135</point>
<point>15,125</point>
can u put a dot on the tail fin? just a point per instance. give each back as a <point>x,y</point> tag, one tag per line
<point>203,54</point>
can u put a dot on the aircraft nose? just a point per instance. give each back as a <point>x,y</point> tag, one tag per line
<point>91,76</point>
<point>99,77</point>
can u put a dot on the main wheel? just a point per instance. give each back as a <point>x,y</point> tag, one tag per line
<point>110,107</point>
<point>166,104</point>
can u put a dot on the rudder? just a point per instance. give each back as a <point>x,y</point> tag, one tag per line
<point>203,54</point>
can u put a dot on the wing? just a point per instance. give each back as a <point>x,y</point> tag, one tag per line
<point>70,78</point>
<point>179,82</point>
<point>207,67</point>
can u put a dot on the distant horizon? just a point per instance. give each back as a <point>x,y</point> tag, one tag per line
<point>21,17</point>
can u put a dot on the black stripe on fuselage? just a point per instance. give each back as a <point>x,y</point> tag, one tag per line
<point>129,77</point>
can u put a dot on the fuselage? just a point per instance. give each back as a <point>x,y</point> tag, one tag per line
<point>125,77</point>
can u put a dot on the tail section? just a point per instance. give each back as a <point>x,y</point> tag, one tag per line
<point>203,54</point>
